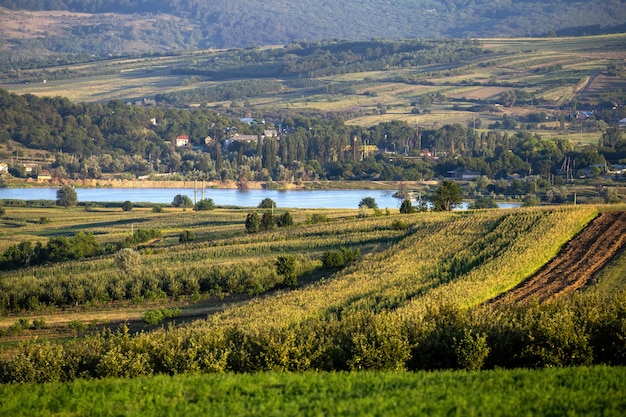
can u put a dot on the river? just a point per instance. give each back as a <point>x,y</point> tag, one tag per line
<point>223,197</point>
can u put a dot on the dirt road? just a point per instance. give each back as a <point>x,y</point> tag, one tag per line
<point>577,262</point>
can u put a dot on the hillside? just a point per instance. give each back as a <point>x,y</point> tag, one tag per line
<point>364,291</point>
<point>122,27</point>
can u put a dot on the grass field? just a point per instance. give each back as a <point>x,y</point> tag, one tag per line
<point>567,391</point>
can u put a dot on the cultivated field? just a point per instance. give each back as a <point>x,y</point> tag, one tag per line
<point>551,72</point>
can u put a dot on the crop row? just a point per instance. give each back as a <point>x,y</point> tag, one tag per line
<point>584,330</point>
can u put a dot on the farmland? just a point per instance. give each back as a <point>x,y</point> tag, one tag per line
<point>415,297</point>
<point>550,72</point>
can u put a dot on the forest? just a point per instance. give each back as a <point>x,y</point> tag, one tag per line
<point>140,26</point>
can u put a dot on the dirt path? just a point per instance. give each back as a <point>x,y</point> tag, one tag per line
<point>577,262</point>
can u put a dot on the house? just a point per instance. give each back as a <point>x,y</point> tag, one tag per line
<point>44,176</point>
<point>270,133</point>
<point>426,153</point>
<point>463,174</point>
<point>240,138</point>
<point>182,141</point>
<point>583,115</point>
<point>622,123</point>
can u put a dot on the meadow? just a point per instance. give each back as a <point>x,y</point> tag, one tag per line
<point>571,391</point>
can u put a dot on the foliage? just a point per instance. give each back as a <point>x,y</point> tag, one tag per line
<point>58,249</point>
<point>447,196</point>
<point>127,206</point>
<point>483,202</point>
<point>252,222</point>
<point>368,202</point>
<point>267,221</point>
<point>183,201</point>
<point>187,236</point>
<point>204,204</point>
<point>340,258</point>
<point>267,203</point>
<point>128,260</point>
<point>406,207</point>
<point>284,220</point>
<point>66,196</point>
<point>286,267</point>
<point>154,317</point>
<point>143,235</point>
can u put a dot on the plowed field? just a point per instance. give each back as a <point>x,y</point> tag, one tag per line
<point>577,262</point>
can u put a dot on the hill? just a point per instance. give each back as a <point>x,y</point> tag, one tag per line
<point>121,27</point>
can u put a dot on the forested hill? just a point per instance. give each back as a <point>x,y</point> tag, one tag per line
<point>157,25</point>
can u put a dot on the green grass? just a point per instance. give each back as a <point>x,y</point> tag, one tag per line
<point>565,391</point>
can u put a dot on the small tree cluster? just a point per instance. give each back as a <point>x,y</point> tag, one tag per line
<point>204,204</point>
<point>267,221</point>
<point>340,258</point>
<point>182,201</point>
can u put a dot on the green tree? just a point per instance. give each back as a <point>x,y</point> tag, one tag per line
<point>182,201</point>
<point>127,206</point>
<point>286,266</point>
<point>267,203</point>
<point>204,204</point>
<point>252,222</point>
<point>368,202</point>
<point>66,196</point>
<point>447,196</point>
<point>267,221</point>
<point>406,207</point>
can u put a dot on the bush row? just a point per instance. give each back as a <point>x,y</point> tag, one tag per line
<point>135,283</point>
<point>585,330</point>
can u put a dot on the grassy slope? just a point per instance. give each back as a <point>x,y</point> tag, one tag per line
<point>565,391</point>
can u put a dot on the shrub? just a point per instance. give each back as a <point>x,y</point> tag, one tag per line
<point>340,258</point>
<point>157,209</point>
<point>286,266</point>
<point>267,221</point>
<point>187,236</point>
<point>128,260</point>
<point>284,220</point>
<point>406,207</point>
<point>317,218</point>
<point>127,206</point>
<point>204,204</point>
<point>252,222</point>
<point>484,203</point>
<point>398,225</point>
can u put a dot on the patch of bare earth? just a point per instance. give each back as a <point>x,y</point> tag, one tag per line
<point>576,264</point>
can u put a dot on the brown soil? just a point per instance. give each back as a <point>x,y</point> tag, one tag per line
<point>577,262</point>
